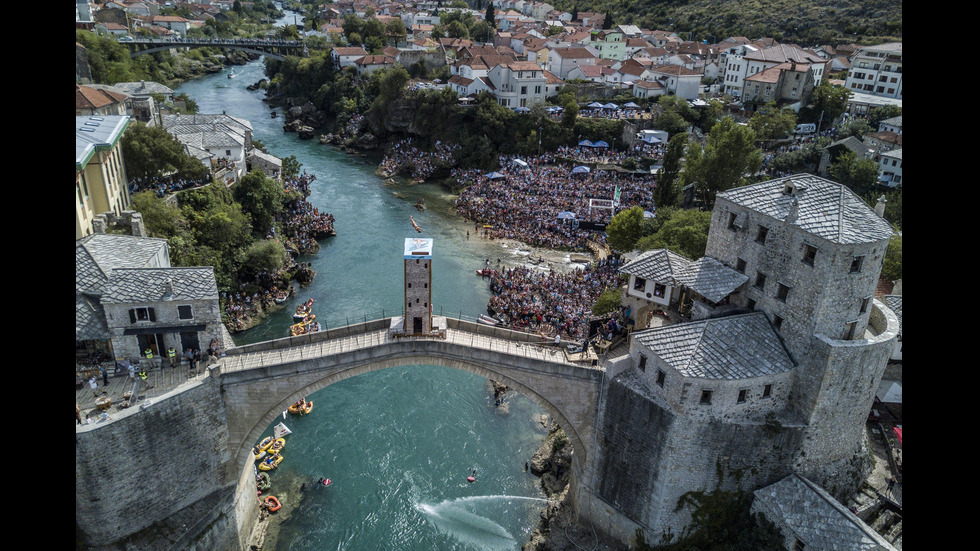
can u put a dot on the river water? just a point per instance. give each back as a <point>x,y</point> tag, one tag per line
<point>399,443</point>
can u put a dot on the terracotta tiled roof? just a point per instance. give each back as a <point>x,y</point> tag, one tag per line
<point>570,53</point>
<point>675,70</point>
<point>92,98</point>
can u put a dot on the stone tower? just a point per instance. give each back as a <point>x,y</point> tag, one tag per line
<point>779,381</point>
<point>418,286</point>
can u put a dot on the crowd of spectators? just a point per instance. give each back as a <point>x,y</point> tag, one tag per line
<point>405,156</point>
<point>302,223</point>
<point>524,203</point>
<point>551,303</point>
<point>163,186</point>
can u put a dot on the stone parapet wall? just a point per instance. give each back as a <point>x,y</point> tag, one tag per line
<point>135,475</point>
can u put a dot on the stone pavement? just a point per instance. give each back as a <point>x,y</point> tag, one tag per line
<point>158,381</point>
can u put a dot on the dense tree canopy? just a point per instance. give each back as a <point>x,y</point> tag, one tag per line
<point>682,231</point>
<point>150,151</point>
<point>729,155</point>
<point>262,198</point>
<point>625,229</point>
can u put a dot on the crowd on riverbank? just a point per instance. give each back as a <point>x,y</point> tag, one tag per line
<point>550,303</point>
<point>405,156</point>
<point>163,186</point>
<point>525,203</point>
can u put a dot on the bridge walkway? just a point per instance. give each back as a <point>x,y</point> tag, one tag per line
<point>338,345</point>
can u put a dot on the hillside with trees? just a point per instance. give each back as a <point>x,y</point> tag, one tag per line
<point>807,22</point>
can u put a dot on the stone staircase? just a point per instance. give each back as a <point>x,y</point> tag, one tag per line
<point>883,515</point>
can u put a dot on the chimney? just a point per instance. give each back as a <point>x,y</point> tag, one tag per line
<point>880,206</point>
<point>794,211</point>
<point>168,288</point>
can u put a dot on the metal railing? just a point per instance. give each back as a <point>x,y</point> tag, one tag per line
<point>366,333</point>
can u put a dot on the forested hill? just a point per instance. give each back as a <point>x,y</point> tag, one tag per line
<point>805,22</point>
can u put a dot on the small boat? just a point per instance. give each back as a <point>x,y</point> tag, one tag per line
<point>270,462</point>
<point>277,446</point>
<point>303,310</point>
<point>263,483</point>
<point>258,453</point>
<point>275,114</point>
<point>486,272</point>
<point>272,504</point>
<point>420,204</point>
<point>282,297</point>
<point>487,320</point>
<point>299,408</point>
<point>308,408</point>
<point>266,442</point>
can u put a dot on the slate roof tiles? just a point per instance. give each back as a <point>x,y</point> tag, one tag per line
<point>733,347</point>
<point>823,208</point>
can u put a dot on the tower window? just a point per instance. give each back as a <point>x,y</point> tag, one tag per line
<point>864,304</point>
<point>742,394</point>
<point>856,264</point>
<point>740,266</point>
<point>705,396</point>
<point>760,237</point>
<point>643,363</point>
<point>760,280</point>
<point>767,391</point>
<point>809,254</point>
<point>782,292</point>
<point>661,377</point>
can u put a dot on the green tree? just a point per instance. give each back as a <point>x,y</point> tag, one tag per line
<point>395,30</point>
<point>772,123</point>
<point>490,16</point>
<point>291,167</point>
<point>667,182</point>
<point>160,218</point>
<point>892,267</point>
<point>150,151</point>
<point>607,302</point>
<point>456,29</point>
<point>265,255</point>
<point>625,229</point>
<point>262,198</point>
<point>607,23</point>
<point>682,231</point>
<point>830,100</point>
<point>723,162</point>
<point>861,175</point>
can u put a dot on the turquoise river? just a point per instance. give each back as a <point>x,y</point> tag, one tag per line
<point>398,444</point>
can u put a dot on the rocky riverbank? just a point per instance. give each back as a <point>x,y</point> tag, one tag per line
<point>558,529</point>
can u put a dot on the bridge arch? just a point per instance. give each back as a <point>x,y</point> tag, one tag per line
<point>275,412</point>
<point>255,397</point>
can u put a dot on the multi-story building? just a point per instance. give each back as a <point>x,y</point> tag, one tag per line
<point>100,174</point>
<point>213,138</point>
<point>774,374</point>
<point>784,83</point>
<point>877,70</point>
<point>740,68</point>
<point>518,83</point>
<point>562,60</point>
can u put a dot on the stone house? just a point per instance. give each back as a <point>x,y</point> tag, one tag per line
<point>213,139</point>
<point>777,380</point>
<point>346,56</point>
<point>91,101</point>
<point>790,83</point>
<point>677,80</point>
<point>129,299</point>
<point>647,89</point>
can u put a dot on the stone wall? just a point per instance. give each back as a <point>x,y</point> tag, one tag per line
<point>649,456</point>
<point>153,477</point>
<point>407,58</point>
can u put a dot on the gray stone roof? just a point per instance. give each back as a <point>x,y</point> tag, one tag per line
<point>708,277</point>
<point>815,517</point>
<point>204,131</point>
<point>821,207</point>
<point>143,88</point>
<point>658,265</point>
<point>733,347</point>
<point>97,255</point>
<point>89,320</point>
<point>127,285</point>
<point>894,303</point>
<point>894,121</point>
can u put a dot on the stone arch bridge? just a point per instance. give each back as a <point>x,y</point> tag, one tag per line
<point>260,381</point>
<point>274,48</point>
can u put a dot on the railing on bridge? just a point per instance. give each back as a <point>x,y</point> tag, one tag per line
<point>376,332</point>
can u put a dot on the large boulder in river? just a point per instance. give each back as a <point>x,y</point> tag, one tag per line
<point>367,141</point>
<point>306,132</point>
